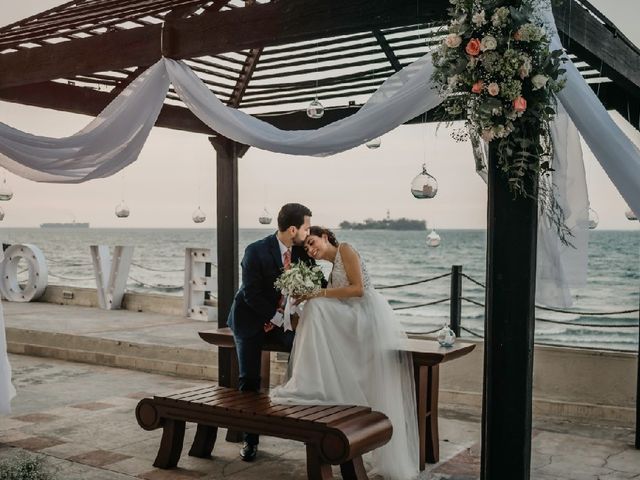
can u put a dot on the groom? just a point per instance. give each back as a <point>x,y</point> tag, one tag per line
<point>257,302</point>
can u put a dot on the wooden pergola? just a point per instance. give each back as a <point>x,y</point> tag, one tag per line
<point>270,59</point>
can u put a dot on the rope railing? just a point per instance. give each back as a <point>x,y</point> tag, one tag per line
<point>157,286</point>
<point>572,312</point>
<point>386,287</point>
<point>435,302</point>
<point>156,269</point>
<point>473,280</point>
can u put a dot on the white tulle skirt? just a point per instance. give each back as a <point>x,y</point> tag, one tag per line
<point>7,392</point>
<point>350,352</point>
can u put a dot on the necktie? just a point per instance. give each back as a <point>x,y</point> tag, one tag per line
<point>287,259</point>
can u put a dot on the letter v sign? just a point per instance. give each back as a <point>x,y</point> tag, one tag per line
<point>111,274</point>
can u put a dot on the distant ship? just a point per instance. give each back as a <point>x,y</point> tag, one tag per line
<point>64,225</point>
<point>385,224</point>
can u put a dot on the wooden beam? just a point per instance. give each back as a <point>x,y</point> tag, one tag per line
<point>594,41</point>
<point>260,25</point>
<point>245,77</point>
<point>87,101</point>
<point>391,56</point>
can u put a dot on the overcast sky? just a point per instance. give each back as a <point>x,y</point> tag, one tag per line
<point>176,171</point>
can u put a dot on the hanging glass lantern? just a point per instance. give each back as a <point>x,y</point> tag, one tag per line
<point>1,214</point>
<point>433,239</point>
<point>374,143</point>
<point>265,218</point>
<point>6,193</point>
<point>446,337</point>
<point>315,109</point>
<point>630,215</point>
<point>122,210</point>
<point>593,219</point>
<point>198,216</point>
<point>424,185</point>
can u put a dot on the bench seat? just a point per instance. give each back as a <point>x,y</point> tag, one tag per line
<point>333,434</point>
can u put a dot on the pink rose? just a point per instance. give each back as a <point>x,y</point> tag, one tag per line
<point>493,89</point>
<point>453,40</point>
<point>487,135</point>
<point>520,104</point>
<point>517,35</point>
<point>473,47</point>
<point>477,87</point>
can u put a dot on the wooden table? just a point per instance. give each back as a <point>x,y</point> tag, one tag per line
<point>427,357</point>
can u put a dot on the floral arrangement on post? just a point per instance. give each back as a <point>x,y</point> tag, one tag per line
<point>495,68</point>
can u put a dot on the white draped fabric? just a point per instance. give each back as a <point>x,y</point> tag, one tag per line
<point>402,97</point>
<point>105,146</point>
<point>115,138</point>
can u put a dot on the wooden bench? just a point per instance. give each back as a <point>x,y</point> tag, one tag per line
<point>427,356</point>
<point>333,435</point>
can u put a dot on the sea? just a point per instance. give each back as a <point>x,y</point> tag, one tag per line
<point>393,258</point>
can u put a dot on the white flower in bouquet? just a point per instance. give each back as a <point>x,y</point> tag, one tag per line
<point>488,43</point>
<point>539,81</point>
<point>301,279</point>
<point>479,19</point>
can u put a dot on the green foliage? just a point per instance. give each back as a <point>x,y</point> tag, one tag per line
<point>25,467</point>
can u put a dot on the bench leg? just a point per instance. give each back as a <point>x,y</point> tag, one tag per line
<point>354,469</point>
<point>171,444</point>
<point>433,442</point>
<point>316,468</point>
<point>204,441</point>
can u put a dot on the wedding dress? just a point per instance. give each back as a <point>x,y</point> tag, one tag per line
<point>349,351</point>
<point>7,392</point>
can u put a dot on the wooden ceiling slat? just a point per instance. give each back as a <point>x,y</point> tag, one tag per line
<point>317,69</point>
<point>308,98</point>
<point>41,15</point>
<point>286,94</point>
<point>125,13</point>
<point>382,73</point>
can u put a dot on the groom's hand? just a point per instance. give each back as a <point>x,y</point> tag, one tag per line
<point>268,327</point>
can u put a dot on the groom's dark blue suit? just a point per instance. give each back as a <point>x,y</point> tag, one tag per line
<point>254,305</point>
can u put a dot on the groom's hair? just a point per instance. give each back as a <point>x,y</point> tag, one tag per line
<point>292,215</point>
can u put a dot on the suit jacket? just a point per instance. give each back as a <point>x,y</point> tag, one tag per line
<point>257,300</point>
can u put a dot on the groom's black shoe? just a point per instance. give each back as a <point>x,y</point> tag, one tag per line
<point>248,452</point>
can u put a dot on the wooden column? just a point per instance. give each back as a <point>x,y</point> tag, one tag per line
<point>227,154</point>
<point>509,329</point>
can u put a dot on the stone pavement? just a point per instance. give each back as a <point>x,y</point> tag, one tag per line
<point>81,419</point>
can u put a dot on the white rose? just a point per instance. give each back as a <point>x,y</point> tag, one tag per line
<point>479,18</point>
<point>493,88</point>
<point>539,81</point>
<point>488,43</point>
<point>453,40</point>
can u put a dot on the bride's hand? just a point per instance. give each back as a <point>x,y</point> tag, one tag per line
<point>303,298</point>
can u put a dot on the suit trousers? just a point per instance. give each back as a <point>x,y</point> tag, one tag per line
<point>249,361</point>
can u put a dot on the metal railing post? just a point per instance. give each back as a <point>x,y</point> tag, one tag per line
<point>456,299</point>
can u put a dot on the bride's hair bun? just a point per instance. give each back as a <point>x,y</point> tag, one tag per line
<point>319,231</point>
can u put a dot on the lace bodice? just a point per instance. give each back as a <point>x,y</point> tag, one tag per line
<point>338,277</point>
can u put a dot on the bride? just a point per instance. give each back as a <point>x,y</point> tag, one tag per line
<point>348,350</point>
<point>7,392</point>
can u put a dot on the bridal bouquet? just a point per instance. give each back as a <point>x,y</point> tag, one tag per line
<point>301,279</point>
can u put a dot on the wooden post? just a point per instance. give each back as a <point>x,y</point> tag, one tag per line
<point>227,156</point>
<point>455,300</point>
<point>509,328</point>
<point>638,391</point>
